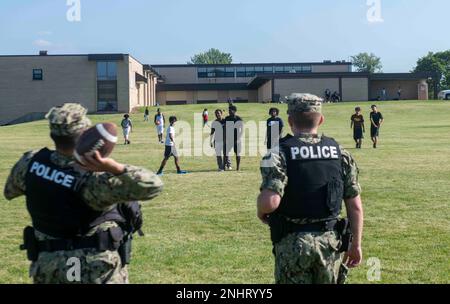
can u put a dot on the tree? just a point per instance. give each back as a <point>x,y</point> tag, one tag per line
<point>212,56</point>
<point>369,63</point>
<point>438,65</point>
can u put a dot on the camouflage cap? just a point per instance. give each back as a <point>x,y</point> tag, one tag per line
<point>68,119</point>
<point>302,103</point>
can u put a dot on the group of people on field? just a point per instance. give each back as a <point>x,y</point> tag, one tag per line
<point>332,97</point>
<point>223,143</point>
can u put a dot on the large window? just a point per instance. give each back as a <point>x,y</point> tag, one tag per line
<point>37,74</point>
<point>107,86</point>
<point>107,96</point>
<point>106,70</point>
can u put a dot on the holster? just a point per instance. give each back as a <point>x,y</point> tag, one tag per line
<point>125,250</point>
<point>30,244</point>
<point>343,274</point>
<point>343,227</point>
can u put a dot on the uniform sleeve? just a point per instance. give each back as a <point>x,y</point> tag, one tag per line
<point>274,173</point>
<point>102,190</point>
<point>352,188</point>
<point>15,185</point>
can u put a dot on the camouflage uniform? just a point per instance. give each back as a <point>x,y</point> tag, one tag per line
<point>306,257</point>
<point>101,191</point>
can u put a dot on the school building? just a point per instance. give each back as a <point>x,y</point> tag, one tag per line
<point>118,83</point>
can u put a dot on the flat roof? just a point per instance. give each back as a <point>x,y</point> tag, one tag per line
<point>66,55</point>
<point>249,64</point>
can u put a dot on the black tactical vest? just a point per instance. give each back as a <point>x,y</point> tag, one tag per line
<point>54,203</point>
<point>315,180</point>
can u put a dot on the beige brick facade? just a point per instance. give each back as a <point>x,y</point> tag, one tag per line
<point>65,79</point>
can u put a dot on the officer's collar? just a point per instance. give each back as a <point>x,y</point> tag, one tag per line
<point>61,160</point>
<point>308,135</point>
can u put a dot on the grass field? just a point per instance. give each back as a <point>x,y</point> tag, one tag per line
<point>203,228</point>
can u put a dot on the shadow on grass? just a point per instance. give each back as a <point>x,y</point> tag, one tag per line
<point>435,127</point>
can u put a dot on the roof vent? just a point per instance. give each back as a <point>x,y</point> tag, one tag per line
<point>43,53</point>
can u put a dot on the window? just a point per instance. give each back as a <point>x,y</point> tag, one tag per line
<point>268,69</point>
<point>202,73</point>
<point>37,74</point>
<point>259,70</point>
<point>289,69</point>
<point>306,69</point>
<point>107,95</point>
<point>220,72</point>
<point>240,72</point>
<point>229,72</point>
<point>211,72</point>
<point>216,72</point>
<point>249,71</point>
<point>106,70</point>
<point>279,69</point>
<point>106,86</point>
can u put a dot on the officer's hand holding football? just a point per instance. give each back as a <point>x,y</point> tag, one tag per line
<point>97,163</point>
<point>353,257</point>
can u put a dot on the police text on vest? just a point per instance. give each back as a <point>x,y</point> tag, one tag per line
<point>314,152</point>
<point>52,175</point>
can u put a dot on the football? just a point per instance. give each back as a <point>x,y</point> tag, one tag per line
<point>101,137</point>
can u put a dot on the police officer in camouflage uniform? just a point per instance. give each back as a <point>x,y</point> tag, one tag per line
<point>78,213</point>
<point>303,185</point>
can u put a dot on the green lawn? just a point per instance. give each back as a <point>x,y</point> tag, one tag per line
<point>203,228</point>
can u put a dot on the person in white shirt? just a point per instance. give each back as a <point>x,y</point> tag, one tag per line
<point>127,126</point>
<point>159,123</point>
<point>170,149</point>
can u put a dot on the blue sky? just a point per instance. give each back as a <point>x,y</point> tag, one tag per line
<point>171,31</point>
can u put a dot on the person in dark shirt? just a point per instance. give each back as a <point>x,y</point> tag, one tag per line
<point>357,124</point>
<point>376,120</point>
<point>217,138</point>
<point>274,128</point>
<point>233,139</point>
<point>146,114</point>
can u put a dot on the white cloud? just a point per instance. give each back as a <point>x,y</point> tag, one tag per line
<point>44,33</point>
<point>42,43</point>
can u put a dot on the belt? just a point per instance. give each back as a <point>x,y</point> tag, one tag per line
<point>314,227</point>
<point>102,241</point>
